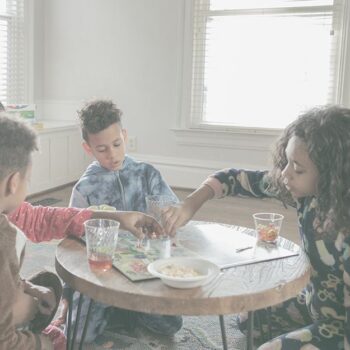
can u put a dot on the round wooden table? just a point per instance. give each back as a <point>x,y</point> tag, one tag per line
<point>237,289</point>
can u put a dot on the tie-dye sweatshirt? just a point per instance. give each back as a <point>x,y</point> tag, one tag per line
<point>124,189</point>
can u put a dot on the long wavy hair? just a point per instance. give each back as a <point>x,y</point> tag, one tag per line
<point>326,132</point>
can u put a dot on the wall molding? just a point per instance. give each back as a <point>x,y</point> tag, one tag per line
<point>240,140</point>
<point>184,172</point>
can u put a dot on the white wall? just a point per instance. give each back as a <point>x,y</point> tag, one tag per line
<point>130,51</point>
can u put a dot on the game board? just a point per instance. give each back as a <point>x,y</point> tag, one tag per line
<point>132,256</point>
<point>219,243</point>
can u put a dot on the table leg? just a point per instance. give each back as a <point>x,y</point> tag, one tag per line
<point>269,322</point>
<point>71,340</point>
<point>85,325</point>
<point>260,325</point>
<point>69,322</point>
<point>250,339</point>
<point>223,332</point>
<point>77,317</point>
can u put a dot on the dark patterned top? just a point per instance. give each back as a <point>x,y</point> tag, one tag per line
<point>328,293</point>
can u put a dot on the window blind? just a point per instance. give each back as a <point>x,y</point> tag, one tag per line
<point>259,63</point>
<point>12,68</point>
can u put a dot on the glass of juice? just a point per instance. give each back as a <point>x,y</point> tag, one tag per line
<point>268,226</point>
<point>101,242</point>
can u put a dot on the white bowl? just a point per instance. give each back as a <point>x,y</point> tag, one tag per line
<point>206,269</point>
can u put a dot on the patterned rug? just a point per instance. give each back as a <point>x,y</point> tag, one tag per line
<point>46,201</point>
<point>198,333</point>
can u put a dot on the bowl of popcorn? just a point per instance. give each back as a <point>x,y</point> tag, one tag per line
<point>184,272</point>
<point>268,226</point>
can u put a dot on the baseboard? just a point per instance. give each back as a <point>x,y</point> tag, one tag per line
<point>178,172</point>
<point>33,195</point>
<point>182,172</point>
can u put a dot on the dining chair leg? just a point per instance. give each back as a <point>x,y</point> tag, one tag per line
<point>250,336</point>
<point>223,332</point>
<point>85,325</point>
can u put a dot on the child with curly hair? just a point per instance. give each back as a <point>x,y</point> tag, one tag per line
<point>311,170</point>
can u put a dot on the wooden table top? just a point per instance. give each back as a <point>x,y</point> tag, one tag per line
<point>236,289</point>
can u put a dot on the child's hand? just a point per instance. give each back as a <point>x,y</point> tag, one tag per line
<point>177,216</point>
<point>24,309</point>
<point>137,223</point>
<point>46,343</point>
<point>55,336</point>
<point>46,298</point>
<point>63,310</point>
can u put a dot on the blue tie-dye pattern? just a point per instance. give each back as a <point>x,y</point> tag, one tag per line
<point>101,186</point>
<point>125,189</point>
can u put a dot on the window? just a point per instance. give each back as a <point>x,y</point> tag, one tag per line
<point>12,65</point>
<point>259,63</point>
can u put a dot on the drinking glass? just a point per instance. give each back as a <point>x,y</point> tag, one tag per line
<point>101,241</point>
<point>155,205</point>
<point>268,226</point>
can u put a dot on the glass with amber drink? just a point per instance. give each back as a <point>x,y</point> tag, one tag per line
<point>101,242</point>
<point>268,226</point>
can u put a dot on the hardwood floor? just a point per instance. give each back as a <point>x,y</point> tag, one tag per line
<point>230,210</point>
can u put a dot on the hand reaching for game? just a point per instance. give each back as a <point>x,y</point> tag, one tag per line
<point>176,216</point>
<point>137,223</point>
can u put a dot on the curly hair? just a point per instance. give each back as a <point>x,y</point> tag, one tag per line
<point>98,115</point>
<point>17,142</point>
<point>326,132</point>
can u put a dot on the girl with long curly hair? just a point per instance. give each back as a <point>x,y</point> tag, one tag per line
<point>311,171</point>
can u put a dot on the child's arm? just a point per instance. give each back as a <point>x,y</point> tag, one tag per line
<point>24,308</point>
<point>46,223</point>
<point>46,343</point>
<point>45,296</point>
<point>177,216</point>
<point>222,183</point>
<point>135,222</point>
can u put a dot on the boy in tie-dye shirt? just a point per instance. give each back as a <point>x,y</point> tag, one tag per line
<point>116,180</point>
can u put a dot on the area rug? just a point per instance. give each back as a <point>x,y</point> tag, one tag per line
<point>46,201</point>
<point>197,333</point>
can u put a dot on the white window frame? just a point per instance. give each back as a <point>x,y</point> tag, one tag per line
<point>25,62</point>
<point>189,132</point>
<point>29,14</point>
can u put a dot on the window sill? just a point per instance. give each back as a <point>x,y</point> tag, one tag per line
<point>240,138</point>
<point>49,126</point>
